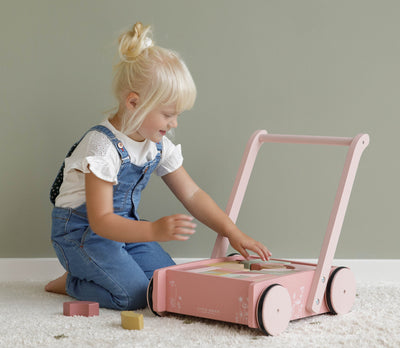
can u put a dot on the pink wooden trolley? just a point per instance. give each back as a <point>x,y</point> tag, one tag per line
<point>265,295</point>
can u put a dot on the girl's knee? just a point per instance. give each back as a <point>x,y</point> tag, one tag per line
<point>133,297</point>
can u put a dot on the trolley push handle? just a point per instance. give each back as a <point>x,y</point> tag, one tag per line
<point>304,139</point>
<point>246,166</point>
<point>356,148</point>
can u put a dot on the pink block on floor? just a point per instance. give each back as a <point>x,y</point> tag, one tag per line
<point>83,308</point>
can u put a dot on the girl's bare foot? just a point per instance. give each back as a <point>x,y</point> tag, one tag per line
<point>57,285</point>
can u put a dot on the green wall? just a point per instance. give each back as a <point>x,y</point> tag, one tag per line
<point>297,67</point>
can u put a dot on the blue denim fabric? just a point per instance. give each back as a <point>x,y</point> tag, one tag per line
<point>112,273</point>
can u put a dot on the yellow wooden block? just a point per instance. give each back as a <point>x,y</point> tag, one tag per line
<point>131,320</point>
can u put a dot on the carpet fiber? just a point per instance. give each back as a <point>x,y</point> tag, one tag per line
<point>30,317</point>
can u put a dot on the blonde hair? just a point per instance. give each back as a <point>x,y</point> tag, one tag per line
<point>158,75</point>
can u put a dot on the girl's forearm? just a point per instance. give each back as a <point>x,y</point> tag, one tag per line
<point>173,227</point>
<point>120,229</point>
<point>199,203</point>
<point>102,219</point>
<point>204,209</point>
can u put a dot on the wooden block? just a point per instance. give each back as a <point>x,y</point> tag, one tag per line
<point>83,308</point>
<point>228,265</point>
<point>261,266</point>
<point>131,320</point>
<point>247,263</point>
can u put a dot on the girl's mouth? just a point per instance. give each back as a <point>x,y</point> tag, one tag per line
<point>163,132</point>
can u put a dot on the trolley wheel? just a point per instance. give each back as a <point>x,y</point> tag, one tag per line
<point>274,310</point>
<point>341,290</point>
<point>150,297</point>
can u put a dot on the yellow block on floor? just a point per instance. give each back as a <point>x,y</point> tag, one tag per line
<point>131,320</point>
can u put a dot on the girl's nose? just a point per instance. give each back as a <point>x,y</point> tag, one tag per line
<point>174,122</point>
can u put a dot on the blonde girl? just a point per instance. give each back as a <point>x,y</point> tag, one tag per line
<point>108,253</point>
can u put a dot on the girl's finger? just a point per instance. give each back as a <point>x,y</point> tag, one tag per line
<point>183,217</point>
<point>180,230</point>
<point>187,224</point>
<point>244,252</point>
<point>179,237</point>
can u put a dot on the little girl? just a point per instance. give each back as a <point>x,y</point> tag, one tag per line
<point>108,253</point>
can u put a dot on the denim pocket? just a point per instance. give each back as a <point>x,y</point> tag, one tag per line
<point>61,255</point>
<point>75,229</point>
<point>85,236</point>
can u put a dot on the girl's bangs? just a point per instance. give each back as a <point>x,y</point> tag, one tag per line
<point>176,86</point>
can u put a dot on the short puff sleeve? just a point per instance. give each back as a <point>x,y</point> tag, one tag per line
<point>96,154</point>
<point>171,158</point>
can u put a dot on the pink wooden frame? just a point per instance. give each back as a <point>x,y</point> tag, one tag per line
<point>356,147</point>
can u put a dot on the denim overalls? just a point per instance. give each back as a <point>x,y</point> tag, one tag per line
<point>112,273</point>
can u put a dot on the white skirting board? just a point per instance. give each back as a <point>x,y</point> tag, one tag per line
<point>43,269</point>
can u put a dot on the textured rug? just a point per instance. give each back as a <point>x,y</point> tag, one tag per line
<point>30,317</point>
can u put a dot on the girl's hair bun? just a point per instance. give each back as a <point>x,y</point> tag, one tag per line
<point>157,75</point>
<point>133,42</point>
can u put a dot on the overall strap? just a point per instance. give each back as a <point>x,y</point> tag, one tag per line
<point>159,147</point>
<point>55,188</point>
<point>119,146</point>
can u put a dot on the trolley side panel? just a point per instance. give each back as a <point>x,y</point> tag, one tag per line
<point>207,296</point>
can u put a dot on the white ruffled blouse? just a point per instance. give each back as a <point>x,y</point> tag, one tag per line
<point>96,152</point>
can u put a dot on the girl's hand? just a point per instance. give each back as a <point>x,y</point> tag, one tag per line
<point>173,227</point>
<point>241,242</point>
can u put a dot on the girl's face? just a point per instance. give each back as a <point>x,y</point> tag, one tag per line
<point>157,123</point>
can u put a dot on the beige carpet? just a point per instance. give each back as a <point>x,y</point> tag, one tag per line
<point>30,317</point>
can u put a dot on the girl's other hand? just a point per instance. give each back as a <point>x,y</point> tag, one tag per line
<point>242,242</point>
<point>174,227</point>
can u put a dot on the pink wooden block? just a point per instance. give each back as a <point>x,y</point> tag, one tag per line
<point>83,308</point>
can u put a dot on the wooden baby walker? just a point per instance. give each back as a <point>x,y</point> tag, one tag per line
<point>265,295</point>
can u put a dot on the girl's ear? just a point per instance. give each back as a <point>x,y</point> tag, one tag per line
<point>132,101</point>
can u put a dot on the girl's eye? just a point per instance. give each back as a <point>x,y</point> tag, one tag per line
<point>170,115</point>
